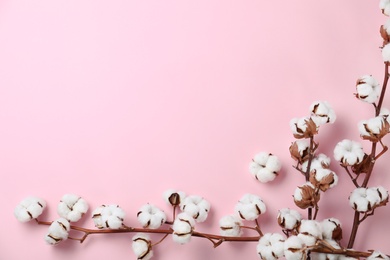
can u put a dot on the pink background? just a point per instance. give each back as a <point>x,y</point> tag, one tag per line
<point>118,101</point>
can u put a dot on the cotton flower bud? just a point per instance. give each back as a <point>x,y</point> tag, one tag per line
<point>309,231</point>
<point>29,208</point>
<point>374,129</point>
<point>289,219</point>
<point>303,127</point>
<point>320,161</point>
<point>271,246</point>
<point>322,113</point>
<point>364,199</point>
<point>331,229</point>
<point>348,152</point>
<point>384,5</point>
<point>149,216</point>
<point>230,226</point>
<point>386,53</point>
<point>108,216</point>
<point>306,196</point>
<point>58,231</point>
<point>265,167</point>
<point>196,206</point>
<point>368,89</point>
<point>323,179</point>
<point>250,206</point>
<point>182,228</point>
<point>142,247</point>
<point>299,150</point>
<point>72,207</point>
<point>294,248</point>
<point>173,197</point>
<point>377,255</point>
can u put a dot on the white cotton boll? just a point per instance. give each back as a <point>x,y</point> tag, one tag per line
<point>196,206</point>
<point>348,152</point>
<point>270,246</point>
<point>384,5</point>
<point>303,145</point>
<point>310,231</point>
<point>142,246</point>
<point>329,226</point>
<point>298,191</point>
<point>265,167</point>
<point>321,174</point>
<point>368,89</point>
<point>294,248</point>
<point>230,226</point>
<point>250,207</point>
<point>150,216</point>
<point>72,207</point>
<point>323,256</point>
<point>58,231</point>
<point>288,218</point>
<point>29,208</point>
<point>318,162</point>
<point>298,125</point>
<point>108,216</point>
<point>363,200</point>
<point>386,52</point>
<point>377,255</point>
<point>173,197</point>
<point>322,113</point>
<point>182,228</point>
<point>382,192</point>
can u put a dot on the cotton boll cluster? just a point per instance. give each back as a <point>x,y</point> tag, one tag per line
<point>183,227</point>
<point>377,255</point>
<point>289,219</point>
<point>368,89</point>
<point>230,226</point>
<point>348,152</point>
<point>265,167</point>
<point>142,246</point>
<point>29,208</point>
<point>306,196</point>
<point>367,199</point>
<point>374,129</point>
<point>271,246</point>
<point>58,231</point>
<point>72,207</point>
<point>151,217</point>
<point>108,216</point>
<point>196,206</point>
<point>250,206</point>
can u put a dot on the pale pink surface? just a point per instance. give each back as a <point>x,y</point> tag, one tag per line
<point>118,101</point>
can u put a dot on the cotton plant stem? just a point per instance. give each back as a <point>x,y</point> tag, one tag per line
<point>356,218</point>
<point>307,173</point>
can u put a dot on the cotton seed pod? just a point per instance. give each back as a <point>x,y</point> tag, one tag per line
<point>29,208</point>
<point>289,219</point>
<point>305,196</point>
<point>230,226</point>
<point>270,246</point>
<point>183,227</point>
<point>299,150</point>
<point>294,248</point>
<point>323,179</point>
<point>58,231</point>
<point>173,197</point>
<point>196,206</point>
<point>303,127</point>
<point>142,247</point>
<point>108,216</point>
<point>368,89</point>
<point>72,207</point>
<point>322,113</point>
<point>151,217</point>
<point>265,167</point>
<point>331,229</point>
<point>250,206</point>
